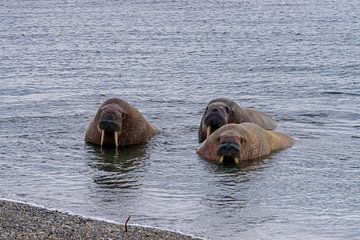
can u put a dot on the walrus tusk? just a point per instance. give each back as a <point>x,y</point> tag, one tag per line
<point>221,159</point>
<point>102,137</point>
<point>237,160</point>
<point>208,131</point>
<point>116,136</point>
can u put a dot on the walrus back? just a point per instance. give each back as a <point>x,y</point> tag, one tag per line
<point>243,114</point>
<point>138,129</point>
<point>257,117</point>
<point>278,141</point>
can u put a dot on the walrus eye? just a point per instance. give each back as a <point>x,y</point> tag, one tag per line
<point>242,140</point>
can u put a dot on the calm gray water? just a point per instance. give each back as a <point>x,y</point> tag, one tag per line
<point>296,60</point>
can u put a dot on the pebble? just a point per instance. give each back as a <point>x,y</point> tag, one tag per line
<point>23,221</point>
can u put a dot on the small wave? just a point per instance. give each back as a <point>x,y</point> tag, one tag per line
<point>341,93</point>
<point>313,115</point>
<point>117,181</point>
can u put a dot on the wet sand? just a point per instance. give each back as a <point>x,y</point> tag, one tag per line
<point>23,221</point>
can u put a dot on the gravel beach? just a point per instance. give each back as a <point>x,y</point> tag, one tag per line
<point>23,221</point>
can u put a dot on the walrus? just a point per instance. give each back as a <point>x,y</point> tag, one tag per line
<point>221,111</point>
<point>233,143</point>
<point>117,123</point>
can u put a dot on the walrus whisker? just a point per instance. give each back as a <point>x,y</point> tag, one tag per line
<point>208,131</point>
<point>116,136</point>
<point>102,137</point>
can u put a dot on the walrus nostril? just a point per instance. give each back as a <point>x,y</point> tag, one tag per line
<point>215,110</point>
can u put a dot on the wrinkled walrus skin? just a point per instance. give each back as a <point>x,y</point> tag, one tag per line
<point>233,143</point>
<point>117,123</point>
<point>221,111</point>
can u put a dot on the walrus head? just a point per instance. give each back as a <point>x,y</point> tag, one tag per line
<point>225,146</point>
<point>216,116</point>
<point>110,123</point>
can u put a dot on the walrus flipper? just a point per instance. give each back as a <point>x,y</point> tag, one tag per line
<point>259,118</point>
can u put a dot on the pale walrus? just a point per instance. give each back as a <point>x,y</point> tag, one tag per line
<point>117,123</point>
<point>233,143</point>
<point>221,111</point>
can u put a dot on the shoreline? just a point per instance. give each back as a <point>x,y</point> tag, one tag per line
<point>25,221</point>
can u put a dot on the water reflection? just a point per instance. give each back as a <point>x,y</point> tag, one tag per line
<point>242,168</point>
<point>231,186</point>
<point>118,168</point>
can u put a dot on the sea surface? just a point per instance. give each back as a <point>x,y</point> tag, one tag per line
<point>298,61</point>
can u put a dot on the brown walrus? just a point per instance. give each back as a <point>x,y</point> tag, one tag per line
<point>221,111</point>
<point>233,143</point>
<point>117,123</point>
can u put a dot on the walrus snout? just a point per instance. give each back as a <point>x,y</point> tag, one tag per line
<point>110,128</point>
<point>109,125</point>
<point>215,120</point>
<point>228,152</point>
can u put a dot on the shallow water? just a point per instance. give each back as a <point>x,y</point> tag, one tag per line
<point>296,60</point>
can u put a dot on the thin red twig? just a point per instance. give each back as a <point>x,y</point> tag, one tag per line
<point>126,222</point>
